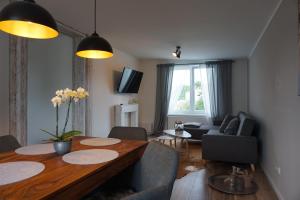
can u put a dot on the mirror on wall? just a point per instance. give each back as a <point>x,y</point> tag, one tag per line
<point>4,80</point>
<point>49,69</point>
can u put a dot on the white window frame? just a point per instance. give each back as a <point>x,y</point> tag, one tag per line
<point>192,111</point>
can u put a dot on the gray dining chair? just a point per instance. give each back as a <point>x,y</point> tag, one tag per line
<point>8,143</point>
<point>128,133</point>
<point>151,178</point>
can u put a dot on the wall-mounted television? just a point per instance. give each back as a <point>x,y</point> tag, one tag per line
<point>130,81</point>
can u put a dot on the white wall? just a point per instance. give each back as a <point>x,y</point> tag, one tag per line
<point>49,69</point>
<point>148,91</point>
<point>273,100</point>
<point>103,98</point>
<point>240,86</point>
<point>4,81</point>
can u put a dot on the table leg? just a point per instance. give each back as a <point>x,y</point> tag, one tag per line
<point>181,142</point>
<point>252,167</point>
<point>175,142</point>
<point>187,149</point>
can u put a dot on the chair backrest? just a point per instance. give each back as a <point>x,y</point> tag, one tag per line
<point>246,126</point>
<point>128,133</point>
<point>157,167</point>
<point>8,143</point>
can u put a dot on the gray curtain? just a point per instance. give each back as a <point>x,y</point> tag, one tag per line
<point>219,88</point>
<point>163,93</point>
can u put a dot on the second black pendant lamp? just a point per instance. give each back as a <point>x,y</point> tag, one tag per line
<point>94,46</point>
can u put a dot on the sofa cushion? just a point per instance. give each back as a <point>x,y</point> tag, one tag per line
<point>246,125</point>
<point>232,127</point>
<point>214,132</point>
<point>209,127</point>
<point>225,122</point>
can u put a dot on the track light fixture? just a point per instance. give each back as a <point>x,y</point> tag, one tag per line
<point>177,53</point>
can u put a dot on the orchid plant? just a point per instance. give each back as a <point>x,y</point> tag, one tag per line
<point>66,96</point>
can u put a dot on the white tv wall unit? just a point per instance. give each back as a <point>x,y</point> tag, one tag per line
<point>127,115</point>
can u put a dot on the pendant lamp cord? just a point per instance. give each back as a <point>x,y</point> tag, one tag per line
<point>95,17</point>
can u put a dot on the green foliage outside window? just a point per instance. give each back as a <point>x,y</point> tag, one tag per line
<point>185,89</point>
<point>199,104</point>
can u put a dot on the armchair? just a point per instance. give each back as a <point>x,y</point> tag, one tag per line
<point>152,177</point>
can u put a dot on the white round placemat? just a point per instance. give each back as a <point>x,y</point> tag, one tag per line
<point>100,141</point>
<point>12,172</point>
<point>90,156</point>
<point>36,149</point>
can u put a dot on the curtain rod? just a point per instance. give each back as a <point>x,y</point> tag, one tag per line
<point>199,63</point>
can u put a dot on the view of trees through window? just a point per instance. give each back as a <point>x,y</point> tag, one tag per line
<point>199,102</point>
<point>187,94</point>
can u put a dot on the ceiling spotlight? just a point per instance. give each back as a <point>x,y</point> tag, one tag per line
<point>177,53</point>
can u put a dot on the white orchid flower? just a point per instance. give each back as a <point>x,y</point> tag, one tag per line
<point>59,93</point>
<point>64,95</point>
<point>56,101</point>
<point>81,90</point>
<point>81,93</point>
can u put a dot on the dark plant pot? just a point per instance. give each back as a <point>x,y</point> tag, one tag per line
<point>62,147</point>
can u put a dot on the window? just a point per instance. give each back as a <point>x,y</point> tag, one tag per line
<point>189,93</point>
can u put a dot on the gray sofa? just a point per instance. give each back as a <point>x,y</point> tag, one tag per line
<point>239,148</point>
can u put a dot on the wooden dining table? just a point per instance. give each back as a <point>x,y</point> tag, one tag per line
<point>61,180</point>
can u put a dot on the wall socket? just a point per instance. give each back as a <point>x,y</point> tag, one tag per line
<point>278,170</point>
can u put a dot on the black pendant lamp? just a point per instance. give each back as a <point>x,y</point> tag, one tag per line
<point>94,46</point>
<point>28,19</point>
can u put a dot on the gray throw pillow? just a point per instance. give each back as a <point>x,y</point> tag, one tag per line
<point>225,122</point>
<point>232,127</point>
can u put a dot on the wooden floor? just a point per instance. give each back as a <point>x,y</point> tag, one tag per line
<point>192,179</point>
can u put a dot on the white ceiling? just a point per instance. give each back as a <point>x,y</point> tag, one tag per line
<point>206,29</point>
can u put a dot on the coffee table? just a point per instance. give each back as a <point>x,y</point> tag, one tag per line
<point>183,135</point>
<point>165,138</point>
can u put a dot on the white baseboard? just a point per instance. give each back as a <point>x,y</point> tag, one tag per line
<point>274,187</point>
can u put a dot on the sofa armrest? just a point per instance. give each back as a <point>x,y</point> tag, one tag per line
<point>229,148</point>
